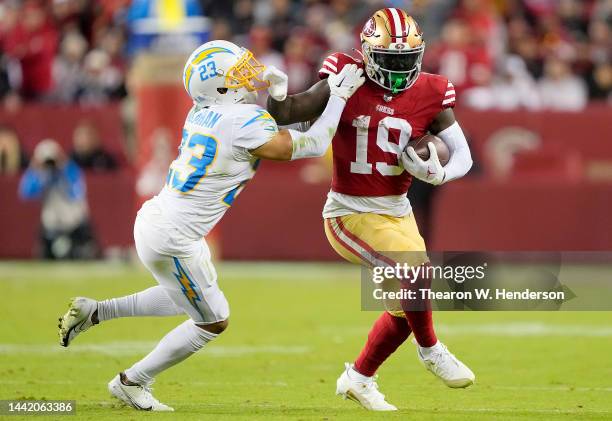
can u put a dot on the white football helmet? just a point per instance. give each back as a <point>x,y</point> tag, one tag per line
<point>220,72</point>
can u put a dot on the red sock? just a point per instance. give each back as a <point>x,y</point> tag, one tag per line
<point>418,313</point>
<point>421,323</point>
<point>387,334</point>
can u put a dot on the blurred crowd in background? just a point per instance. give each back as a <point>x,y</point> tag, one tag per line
<point>500,54</point>
<point>503,54</point>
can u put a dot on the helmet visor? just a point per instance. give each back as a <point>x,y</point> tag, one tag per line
<point>397,62</point>
<point>393,69</point>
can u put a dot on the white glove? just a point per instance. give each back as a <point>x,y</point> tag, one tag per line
<point>278,82</point>
<point>346,82</point>
<point>430,171</point>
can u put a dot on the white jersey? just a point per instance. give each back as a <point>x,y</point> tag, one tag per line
<point>339,204</point>
<point>213,165</point>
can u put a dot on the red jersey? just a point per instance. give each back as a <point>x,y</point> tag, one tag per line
<point>373,132</point>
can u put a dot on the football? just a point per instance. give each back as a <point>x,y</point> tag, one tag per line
<point>420,147</point>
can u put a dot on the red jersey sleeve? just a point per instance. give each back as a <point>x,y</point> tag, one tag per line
<point>333,63</point>
<point>449,96</point>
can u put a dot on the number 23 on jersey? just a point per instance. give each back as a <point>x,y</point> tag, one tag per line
<point>196,153</point>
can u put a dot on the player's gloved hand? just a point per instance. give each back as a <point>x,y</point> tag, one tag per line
<point>430,171</point>
<point>346,82</point>
<point>278,81</point>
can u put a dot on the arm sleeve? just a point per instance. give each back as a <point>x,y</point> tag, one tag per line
<point>252,129</point>
<point>460,160</point>
<point>32,184</point>
<point>315,141</point>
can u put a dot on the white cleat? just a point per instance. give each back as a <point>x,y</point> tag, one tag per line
<point>365,393</point>
<point>136,396</point>
<point>77,319</point>
<point>446,366</point>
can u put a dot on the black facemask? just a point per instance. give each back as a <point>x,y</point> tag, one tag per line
<point>396,62</point>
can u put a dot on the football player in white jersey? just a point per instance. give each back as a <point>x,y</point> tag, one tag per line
<point>224,136</point>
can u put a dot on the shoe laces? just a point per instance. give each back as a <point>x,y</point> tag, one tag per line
<point>443,354</point>
<point>148,386</point>
<point>145,387</point>
<point>372,387</point>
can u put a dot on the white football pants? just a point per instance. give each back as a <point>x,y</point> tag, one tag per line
<point>183,267</point>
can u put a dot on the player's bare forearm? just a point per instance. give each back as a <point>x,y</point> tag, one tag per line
<point>291,144</point>
<point>443,121</point>
<point>304,106</point>
<point>279,148</point>
<point>288,145</point>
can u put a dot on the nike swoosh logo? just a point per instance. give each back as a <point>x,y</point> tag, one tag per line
<point>72,329</point>
<point>340,84</point>
<point>142,408</point>
<point>80,325</point>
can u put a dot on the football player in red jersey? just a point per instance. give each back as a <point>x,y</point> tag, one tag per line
<point>367,211</point>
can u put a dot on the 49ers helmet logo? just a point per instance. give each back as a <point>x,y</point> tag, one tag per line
<point>369,29</point>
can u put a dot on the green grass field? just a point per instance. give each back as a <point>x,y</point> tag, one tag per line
<point>292,327</point>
